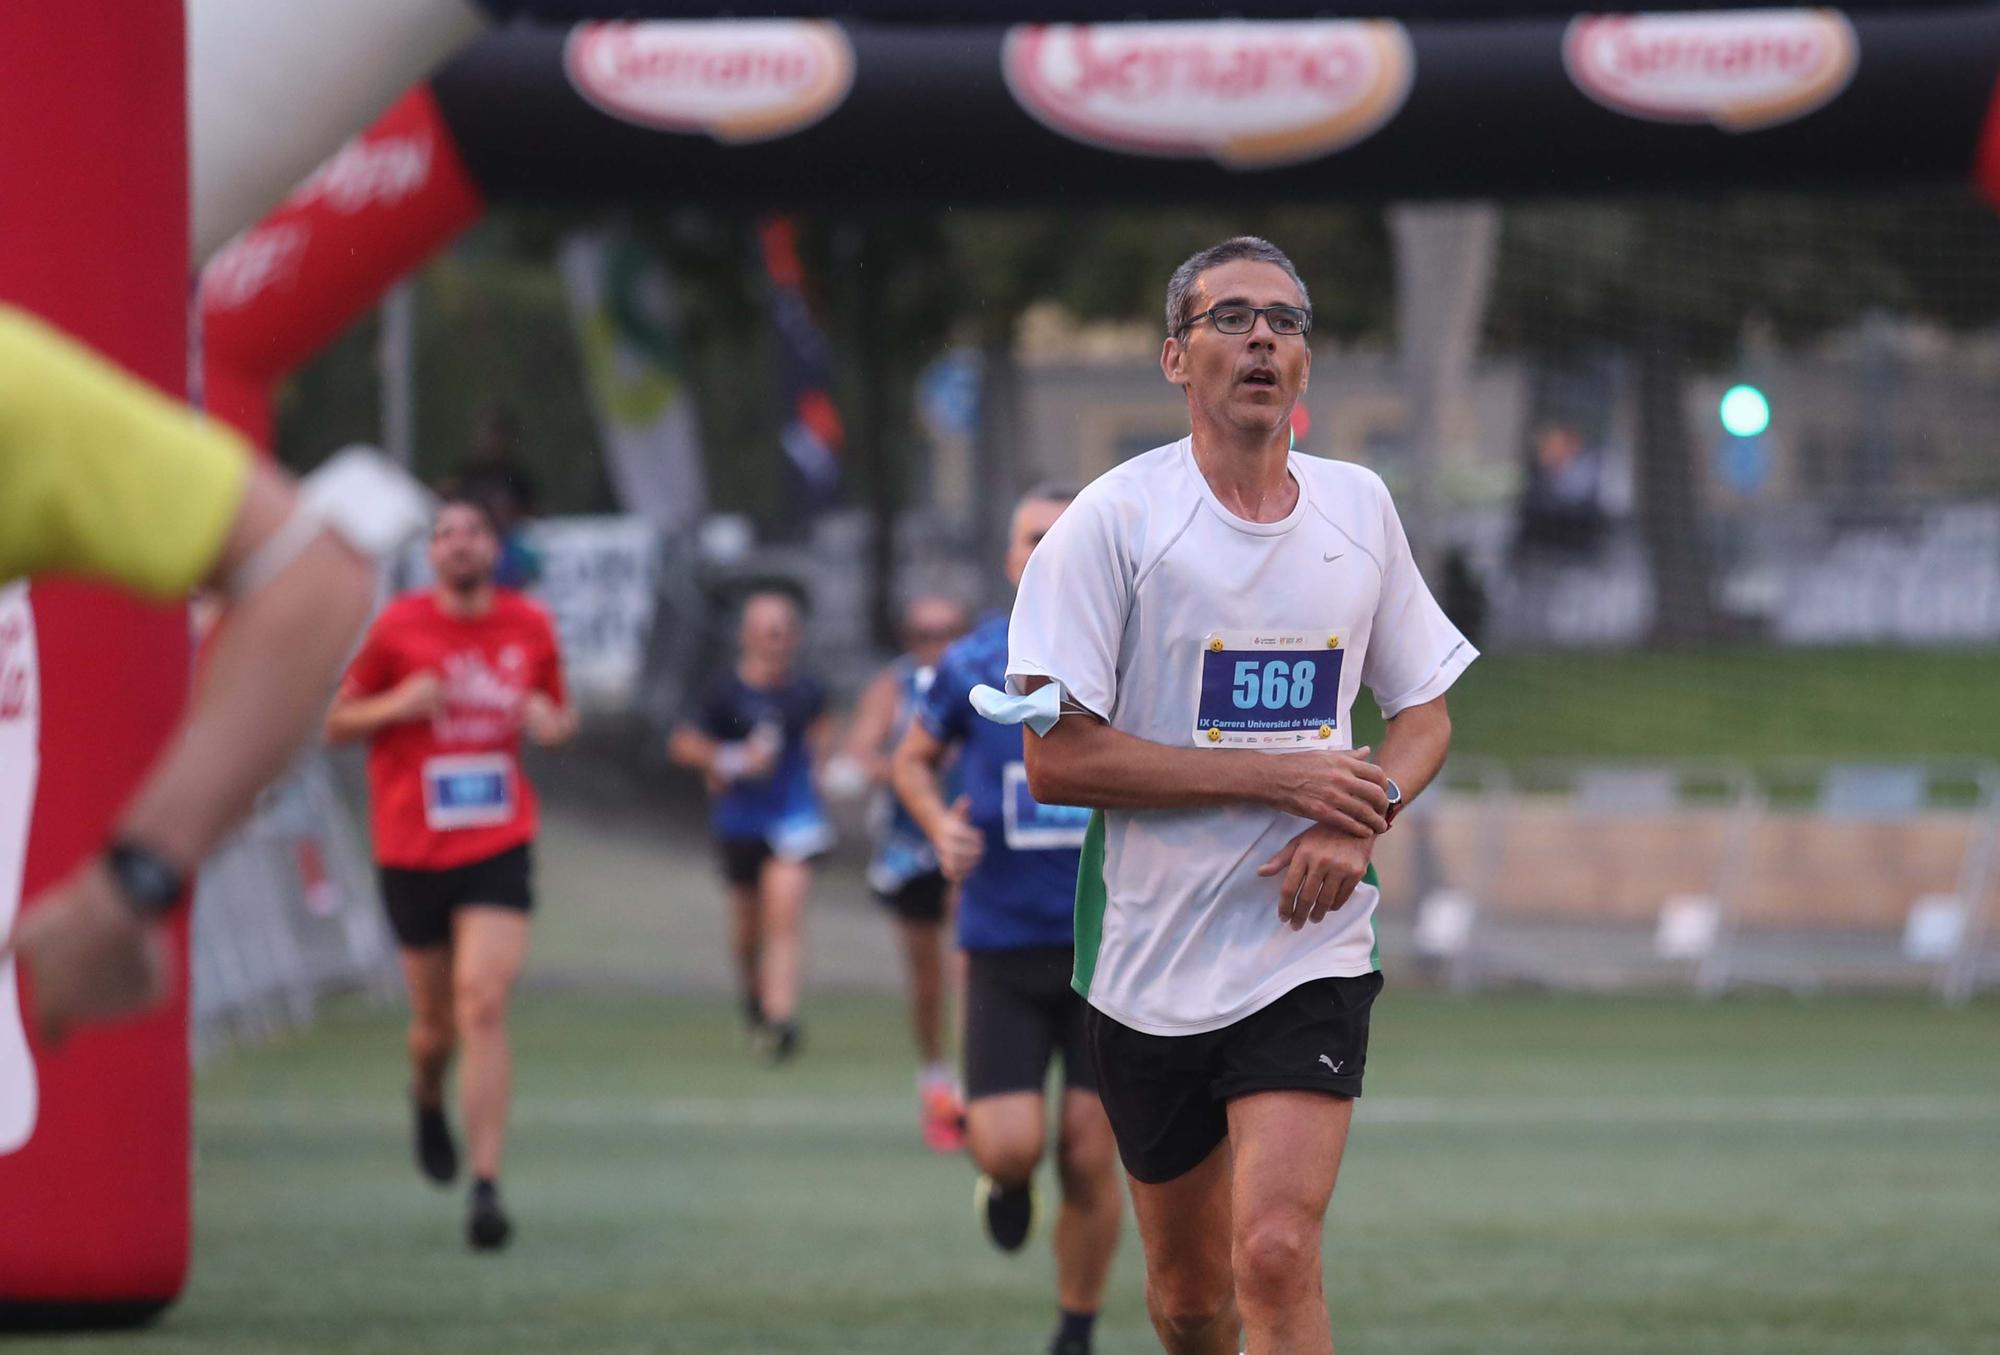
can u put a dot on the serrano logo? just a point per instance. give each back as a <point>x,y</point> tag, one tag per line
<point>1247,95</point>
<point>379,173</point>
<point>740,81</point>
<point>252,263</point>
<point>1740,71</point>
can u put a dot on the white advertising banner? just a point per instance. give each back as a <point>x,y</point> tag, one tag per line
<point>598,584</point>
<point>20,762</point>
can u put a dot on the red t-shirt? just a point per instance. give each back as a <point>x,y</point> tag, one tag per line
<point>449,790</point>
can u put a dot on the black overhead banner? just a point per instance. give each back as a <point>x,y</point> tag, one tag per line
<point>1110,11</point>
<point>807,114</point>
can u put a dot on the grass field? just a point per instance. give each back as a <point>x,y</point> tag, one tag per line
<point>1740,703</point>
<point>1576,1175</point>
<point>1528,1174</point>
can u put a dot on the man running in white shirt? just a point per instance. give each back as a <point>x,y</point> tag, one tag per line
<point>1191,636</point>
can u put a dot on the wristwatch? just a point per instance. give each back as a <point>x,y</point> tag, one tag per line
<point>1395,801</point>
<point>151,884</point>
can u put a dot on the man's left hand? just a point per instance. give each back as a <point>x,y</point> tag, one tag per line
<point>546,723</point>
<point>91,956</point>
<point>1320,868</point>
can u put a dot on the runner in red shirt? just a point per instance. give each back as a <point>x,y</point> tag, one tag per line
<point>444,686</point>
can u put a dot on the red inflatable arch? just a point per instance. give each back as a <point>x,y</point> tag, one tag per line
<point>95,220</point>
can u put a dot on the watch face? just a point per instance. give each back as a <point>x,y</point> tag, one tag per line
<point>1395,791</point>
<point>150,884</point>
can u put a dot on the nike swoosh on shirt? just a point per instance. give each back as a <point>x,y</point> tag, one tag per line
<point>1329,559</point>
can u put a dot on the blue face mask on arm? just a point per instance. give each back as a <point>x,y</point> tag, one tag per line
<point>1038,710</point>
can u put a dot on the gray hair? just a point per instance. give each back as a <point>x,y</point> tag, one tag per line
<point>1180,288</point>
<point>1050,491</point>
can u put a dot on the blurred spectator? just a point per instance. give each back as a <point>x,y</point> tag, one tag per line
<point>1462,596</point>
<point>494,476</point>
<point>1562,507</point>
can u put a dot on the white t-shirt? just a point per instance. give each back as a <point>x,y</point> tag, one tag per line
<point>1179,622</point>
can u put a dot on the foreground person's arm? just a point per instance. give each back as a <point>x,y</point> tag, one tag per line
<point>107,478</point>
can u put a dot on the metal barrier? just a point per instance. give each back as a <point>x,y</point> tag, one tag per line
<point>1865,873</point>
<point>285,912</point>
<point>1708,875</point>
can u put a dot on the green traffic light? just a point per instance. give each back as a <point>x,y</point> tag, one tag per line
<point>1745,411</point>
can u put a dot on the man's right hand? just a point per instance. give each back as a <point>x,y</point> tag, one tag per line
<point>417,697</point>
<point>1339,789</point>
<point>959,845</point>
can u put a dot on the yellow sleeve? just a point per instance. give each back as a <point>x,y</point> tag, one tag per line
<point>101,474</point>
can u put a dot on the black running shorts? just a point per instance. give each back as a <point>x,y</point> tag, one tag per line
<point>919,899</point>
<point>743,859</point>
<point>1019,1012</point>
<point>1167,1095</point>
<point>421,902</point>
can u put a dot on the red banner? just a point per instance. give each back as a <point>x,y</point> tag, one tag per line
<point>282,290</point>
<point>1986,170</point>
<point>93,235</point>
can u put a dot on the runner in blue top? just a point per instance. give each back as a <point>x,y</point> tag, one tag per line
<point>1016,862</point>
<point>758,737</point>
<point>903,871</point>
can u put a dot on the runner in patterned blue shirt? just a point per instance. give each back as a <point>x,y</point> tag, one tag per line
<point>1016,863</point>
<point>903,869</point>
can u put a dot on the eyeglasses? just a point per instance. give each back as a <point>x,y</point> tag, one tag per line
<point>1285,321</point>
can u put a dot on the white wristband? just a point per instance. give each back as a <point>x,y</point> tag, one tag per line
<point>280,548</point>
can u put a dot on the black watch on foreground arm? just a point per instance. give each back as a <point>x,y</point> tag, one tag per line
<point>151,884</point>
<point>1395,801</point>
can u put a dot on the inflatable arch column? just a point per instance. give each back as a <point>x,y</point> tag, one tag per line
<point>94,237</point>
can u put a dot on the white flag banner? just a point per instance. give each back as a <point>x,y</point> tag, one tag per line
<point>627,324</point>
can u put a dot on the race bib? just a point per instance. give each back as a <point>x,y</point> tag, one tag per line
<point>1269,690</point>
<point>468,790</point>
<point>1030,825</point>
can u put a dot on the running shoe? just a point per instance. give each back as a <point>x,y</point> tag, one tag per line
<point>437,1153</point>
<point>779,1042</point>
<point>1009,1215</point>
<point>943,1118</point>
<point>487,1227</point>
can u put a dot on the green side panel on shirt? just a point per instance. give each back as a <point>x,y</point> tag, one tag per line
<point>1374,937</point>
<point>1090,902</point>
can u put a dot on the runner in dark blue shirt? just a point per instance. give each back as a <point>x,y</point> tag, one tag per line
<point>1016,862</point>
<point>758,736</point>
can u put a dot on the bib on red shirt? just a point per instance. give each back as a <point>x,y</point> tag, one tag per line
<point>448,791</point>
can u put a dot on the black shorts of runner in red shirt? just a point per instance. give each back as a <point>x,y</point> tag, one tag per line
<point>421,902</point>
